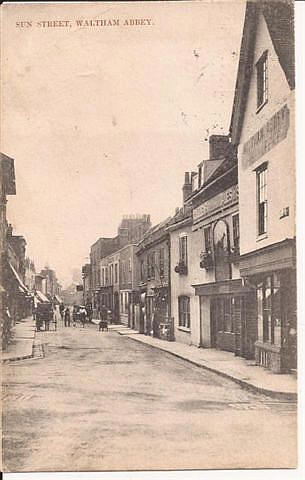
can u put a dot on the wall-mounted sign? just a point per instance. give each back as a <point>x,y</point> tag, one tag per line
<point>220,201</point>
<point>271,133</point>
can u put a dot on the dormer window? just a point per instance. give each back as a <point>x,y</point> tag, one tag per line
<point>262,80</point>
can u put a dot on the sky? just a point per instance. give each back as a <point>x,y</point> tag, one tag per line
<point>104,121</point>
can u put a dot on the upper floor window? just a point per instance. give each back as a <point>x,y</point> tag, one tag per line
<point>235,221</point>
<point>262,199</point>
<point>207,240</point>
<point>148,266</point>
<point>142,271</point>
<point>183,250</point>
<point>129,271</point>
<point>152,265</point>
<point>262,80</point>
<point>161,262</point>
<point>116,276</point>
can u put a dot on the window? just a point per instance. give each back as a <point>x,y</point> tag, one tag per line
<point>152,264</point>
<point>199,176</point>
<point>111,274</point>
<point>269,306</point>
<point>262,80</point>
<point>106,275</point>
<point>262,199</point>
<point>183,250</point>
<point>207,239</point>
<point>142,271</point>
<point>123,272</point>
<point>116,279</point>
<point>129,271</point>
<point>148,267</point>
<point>184,312</point>
<point>235,221</point>
<point>161,262</point>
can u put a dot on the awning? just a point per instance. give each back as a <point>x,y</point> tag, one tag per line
<point>58,299</point>
<point>22,287</point>
<point>41,297</point>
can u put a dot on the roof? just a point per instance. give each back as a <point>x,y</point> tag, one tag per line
<point>279,17</point>
<point>228,163</point>
<point>182,215</point>
<point>8,172</point>
<point>154,233</point>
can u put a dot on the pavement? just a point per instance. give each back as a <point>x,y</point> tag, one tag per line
<point>22,344</point>
<point>238,369</point>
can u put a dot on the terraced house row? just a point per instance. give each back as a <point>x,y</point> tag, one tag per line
<point>221,272</point>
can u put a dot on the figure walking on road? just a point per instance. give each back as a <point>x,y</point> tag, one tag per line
<point>67,317</point>
<point>103,324</point>
<point>82,316</point>
<point>62,311</point>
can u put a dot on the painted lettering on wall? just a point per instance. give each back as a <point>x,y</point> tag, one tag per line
<point>271,133</point>
<point>220,201</point>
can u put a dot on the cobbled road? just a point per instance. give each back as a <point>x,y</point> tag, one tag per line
<point>101,401</point>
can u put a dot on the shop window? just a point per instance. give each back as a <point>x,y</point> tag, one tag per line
<point>262,199</point>
<point>269,307</point>
<point>183,250</point>
<point>262,80</point>
<point>184,312</point>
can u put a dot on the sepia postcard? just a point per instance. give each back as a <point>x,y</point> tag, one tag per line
<point>148,276</point>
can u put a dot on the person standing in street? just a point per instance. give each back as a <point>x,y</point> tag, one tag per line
<point>67,317</point>
<point>103,324</point>
<point>62,311</point>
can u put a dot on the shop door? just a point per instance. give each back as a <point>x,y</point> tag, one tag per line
<point>213,322</point>
<point>237,314</point>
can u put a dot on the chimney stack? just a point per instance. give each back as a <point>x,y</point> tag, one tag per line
<point>219,146</point>
<point>187,187</point>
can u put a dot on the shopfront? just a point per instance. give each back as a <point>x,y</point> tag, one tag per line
<point>227,317</point>
<point>271,271</point>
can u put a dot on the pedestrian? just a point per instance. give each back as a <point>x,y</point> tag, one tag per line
<point>62,310</point>
<point>82,316</point>
<point>103,324</point>
<point>67,317</point>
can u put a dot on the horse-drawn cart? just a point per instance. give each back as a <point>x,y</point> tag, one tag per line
<point>44,316</point>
